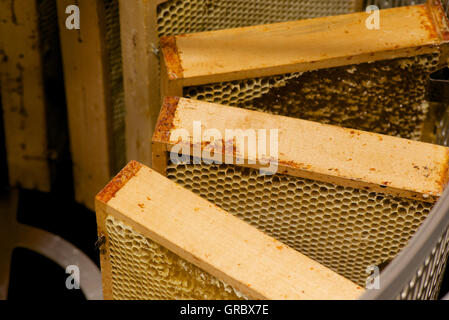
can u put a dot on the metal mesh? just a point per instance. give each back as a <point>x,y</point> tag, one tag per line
<point>419,269</point>
<point>188,16</point>
<point>426,281</point>
<point>116,89</point>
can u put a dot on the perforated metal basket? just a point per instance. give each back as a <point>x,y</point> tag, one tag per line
<point>417,272</point>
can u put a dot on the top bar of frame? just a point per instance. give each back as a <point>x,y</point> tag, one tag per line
<point>304,45</point>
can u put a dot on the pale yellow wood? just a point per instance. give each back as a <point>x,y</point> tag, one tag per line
<point>87,99</point>
<point>321,152</point>
<point>303,45</point>
<point>159,153</point>
<point>138,22</point>
<point>22,92</point>
<point>219,243</point>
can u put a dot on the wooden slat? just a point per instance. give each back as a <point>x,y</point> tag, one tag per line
<point>85,74</point>
<point>316,151</point>
<point>304,45</point>
<point>23,99</point>
<point>138,24</point>
<point>213,240</point>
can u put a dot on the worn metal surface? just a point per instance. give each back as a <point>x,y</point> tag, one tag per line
<point>14,234</point>
<point>417,271</point>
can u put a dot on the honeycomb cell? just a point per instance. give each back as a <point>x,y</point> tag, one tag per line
<point>144,270</point>
<point>347,230</point>
<point>188,16</point>
<point>386,97</point>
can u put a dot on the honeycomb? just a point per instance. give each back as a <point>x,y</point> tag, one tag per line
<point>386,97</point>
<point>383,4</point>
<point>144,270</point>
<point>188,16</point>
<point>343,228</point>
<point>115,84</point>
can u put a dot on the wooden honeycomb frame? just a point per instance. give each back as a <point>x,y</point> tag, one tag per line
<point>417,30</point>
<point>370,160</point>
<point>335,189</point>
<point>141,65</point>
<point>232,72</point>
<point>221,245</point>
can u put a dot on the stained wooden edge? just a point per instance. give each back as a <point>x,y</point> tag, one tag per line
<point>444,174</point>
<point>165,120</point>
<point>101,200</point>
<point>162,145</point>
<point>290,168</point>
<point>119,181</point>
<point>439,18</point>
<point>161,135</point>
<point>171,57</point>
<point>437,27</point>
